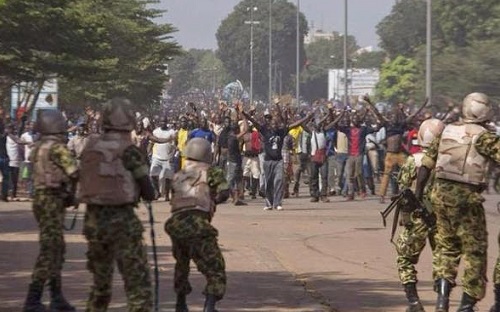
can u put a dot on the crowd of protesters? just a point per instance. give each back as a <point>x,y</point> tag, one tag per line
<point>265,150</point>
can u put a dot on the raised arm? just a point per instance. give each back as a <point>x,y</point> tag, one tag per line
<point>411,117</point>
<point>300,121</point>
<point>252,120</point>
<point>335,122</point>
<point>380,117</point>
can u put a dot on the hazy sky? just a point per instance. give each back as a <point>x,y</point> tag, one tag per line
<point>197,20</point>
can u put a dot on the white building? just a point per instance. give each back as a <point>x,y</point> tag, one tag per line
<point>361,81</point>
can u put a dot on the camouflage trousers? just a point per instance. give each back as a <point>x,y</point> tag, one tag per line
<point>409,246</point>
<point>49,211</point>
<point>114,234</point>
<point>461,233</point>
<point>193,237</point>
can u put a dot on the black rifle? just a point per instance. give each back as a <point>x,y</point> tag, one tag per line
<point>407,202</point>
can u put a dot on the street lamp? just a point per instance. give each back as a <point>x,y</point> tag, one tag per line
<point>428,61</point>
<point>345,54</point>
<point>251,22</point>
<point>270,74</point>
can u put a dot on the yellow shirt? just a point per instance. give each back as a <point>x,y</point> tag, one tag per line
<point>295,134</point>
<point>182,136</point>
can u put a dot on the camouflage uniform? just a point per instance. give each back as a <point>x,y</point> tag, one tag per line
<point>461,222</point>
<point>54,172</point>
<point>412,240</point>
<point>114,233</point>
<point>49,210</point>
<point>193,237</point>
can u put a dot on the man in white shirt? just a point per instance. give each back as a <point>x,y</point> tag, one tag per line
<point>27,167</point>
<point>318,145</point>
<point>161,171</point>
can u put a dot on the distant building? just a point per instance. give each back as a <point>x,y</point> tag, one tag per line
<point>318,34</point>
<point>360,81</point>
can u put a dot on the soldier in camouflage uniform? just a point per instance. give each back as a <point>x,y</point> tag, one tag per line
<point>460,158</point>
<point>412,240</point>
<point>114,175</point>
<point>198,187</point>
<point>54,173</point>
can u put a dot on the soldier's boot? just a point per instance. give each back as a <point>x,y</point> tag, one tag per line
<point>168,188</point>
<point>180,304</point>
<point>210,301</point>
<point>443,300</point>
<point>496,306</point>
<point>57,301</point>
<point>414,304</point>
<point>33,301</point>
<point>467,304</point>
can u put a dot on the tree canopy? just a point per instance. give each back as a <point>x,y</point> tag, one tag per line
<point>233,38</point>
<point>97,48</point>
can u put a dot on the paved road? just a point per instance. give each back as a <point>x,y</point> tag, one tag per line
<point>309,257</point>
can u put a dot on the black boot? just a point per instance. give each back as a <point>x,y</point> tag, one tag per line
<point>180,304</point>
<point>57,301</point>
<point>467,304</point>
<point>210,304</point>
<point>414,304</point>
<point>496,306</point>
<point>33,299</point>
<point>443,299</point>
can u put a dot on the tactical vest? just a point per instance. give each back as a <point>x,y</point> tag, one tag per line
<point>458,159</point>
<point>46,174</point>
<point>191,189</point>
<point>103,178</point>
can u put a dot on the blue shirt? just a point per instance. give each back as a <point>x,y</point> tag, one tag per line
<point>201,133</point>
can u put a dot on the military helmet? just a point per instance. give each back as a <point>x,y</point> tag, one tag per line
<point>429,130</point>
<point>50,121</point>
<point>476,108</point>
<point>118,115</point>
<point>199,149</point>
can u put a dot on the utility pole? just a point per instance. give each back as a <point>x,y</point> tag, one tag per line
<point>297,82</point>
<point>270,74</point>
<point>345,55</point>
<point>428,59</point>
<point>251,22</point>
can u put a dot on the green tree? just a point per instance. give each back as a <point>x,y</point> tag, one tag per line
<point>97,48</point>
<point>373,59</point>
<point>404,29</point>
<point>398,80</point>
<point>233,38</point>
<point>461,22</point>
<point>182,72</point>
<point>322,55</point>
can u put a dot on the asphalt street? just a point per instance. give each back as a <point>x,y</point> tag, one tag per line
<point>310,257</point>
